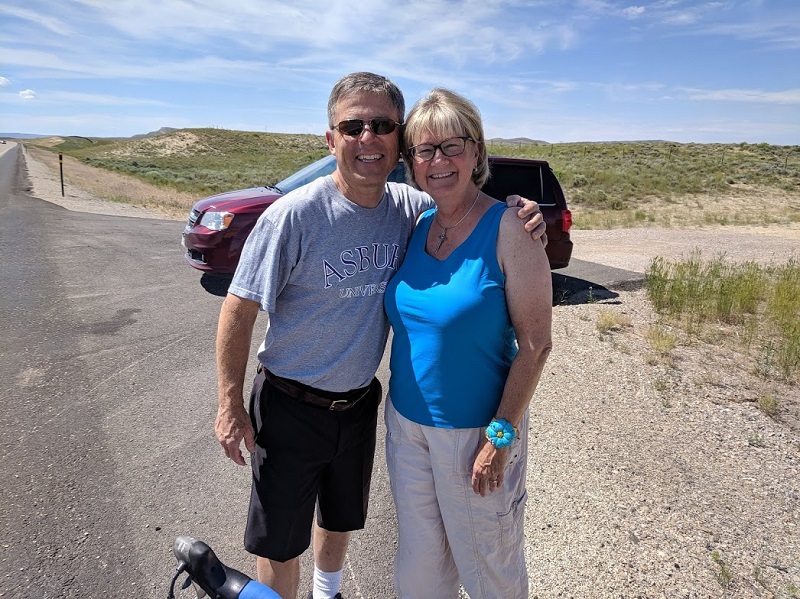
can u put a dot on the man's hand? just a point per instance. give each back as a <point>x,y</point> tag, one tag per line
<point>530,211</point>
<point>231,426</point>
<point>234,335</point>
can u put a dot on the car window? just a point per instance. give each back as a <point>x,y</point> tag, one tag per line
<point>525,180</point>
<point>315,170</point>
<point>325,166</point>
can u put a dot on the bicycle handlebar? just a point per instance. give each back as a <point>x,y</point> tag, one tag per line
<point>215,578</point>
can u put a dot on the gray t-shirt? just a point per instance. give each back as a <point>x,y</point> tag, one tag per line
<point>318,264</point>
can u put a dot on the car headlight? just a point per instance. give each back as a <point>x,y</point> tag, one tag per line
<point>216,221</point>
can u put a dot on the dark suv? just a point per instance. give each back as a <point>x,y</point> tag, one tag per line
<point>219,225</point>
<point>535,180</point>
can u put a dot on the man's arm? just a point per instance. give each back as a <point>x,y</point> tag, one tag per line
<point>234,335</point>
<point>529,210</point>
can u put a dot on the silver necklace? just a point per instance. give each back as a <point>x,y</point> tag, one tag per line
<point>443,235</point>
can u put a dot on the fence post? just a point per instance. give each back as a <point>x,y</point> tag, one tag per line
<point>61,169</point>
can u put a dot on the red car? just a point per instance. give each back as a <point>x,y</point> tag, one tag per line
<point>219,225</point>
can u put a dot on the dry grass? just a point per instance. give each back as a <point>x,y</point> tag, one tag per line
<point>116,187</point>
<point>609,321</point>
<point>743,304</point>
<point>742,205</point>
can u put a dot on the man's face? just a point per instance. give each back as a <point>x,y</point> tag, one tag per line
<point>364,160</point>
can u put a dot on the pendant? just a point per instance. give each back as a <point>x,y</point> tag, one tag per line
<point>442,237</point>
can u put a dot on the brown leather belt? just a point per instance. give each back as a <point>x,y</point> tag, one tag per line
<point>335,402</point>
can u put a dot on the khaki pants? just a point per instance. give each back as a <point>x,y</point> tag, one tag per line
<point>448,534</point>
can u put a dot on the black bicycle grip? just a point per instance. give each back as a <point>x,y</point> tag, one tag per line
<point>207,571</point>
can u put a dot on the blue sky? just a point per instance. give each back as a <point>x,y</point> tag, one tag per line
<point>559,71</point>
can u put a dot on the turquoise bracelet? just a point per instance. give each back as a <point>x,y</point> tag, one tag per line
<point>501,433</point>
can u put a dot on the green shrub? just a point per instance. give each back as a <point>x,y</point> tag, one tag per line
<point>757,301</point>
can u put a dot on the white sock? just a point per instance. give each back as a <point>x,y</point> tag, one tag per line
<point>326,584</point>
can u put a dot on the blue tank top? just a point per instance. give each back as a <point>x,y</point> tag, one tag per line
<point>453,342</point>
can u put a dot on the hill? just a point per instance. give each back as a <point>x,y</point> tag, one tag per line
<point>514,141</point>
<point>614,184</point>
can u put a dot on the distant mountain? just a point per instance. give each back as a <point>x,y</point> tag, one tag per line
<point>161,131</point>
<point>22,135</point>
<point>520,141</point>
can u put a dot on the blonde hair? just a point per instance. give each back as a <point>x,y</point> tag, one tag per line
<point>445,114</point>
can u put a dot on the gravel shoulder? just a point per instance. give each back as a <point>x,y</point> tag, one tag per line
<point>46,185</point>
<point>632,249</point>
<point>648,476</point>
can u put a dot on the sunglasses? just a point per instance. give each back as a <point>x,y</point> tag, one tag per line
<point>354,127</point>
<point>449,147</point>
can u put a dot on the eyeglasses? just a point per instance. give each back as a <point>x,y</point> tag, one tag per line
<point>449,147</point>
<point>354,127</point>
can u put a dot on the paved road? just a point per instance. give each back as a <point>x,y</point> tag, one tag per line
<point>106,410</point>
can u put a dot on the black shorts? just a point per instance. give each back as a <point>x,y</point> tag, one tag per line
<point>307,456</point>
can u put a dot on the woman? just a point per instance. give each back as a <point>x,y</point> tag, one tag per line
<point>471,311</point>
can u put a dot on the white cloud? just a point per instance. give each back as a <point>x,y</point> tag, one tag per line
<point>773,31</point>
<point>27,94</point>
<point>307,33</point>
<point>96,67</point>
<point>789,96</point>
<point>40,19</point>
<point>101,99</point>
<point>684,17</point>
<point>633,12</point>
<point>4,82</point>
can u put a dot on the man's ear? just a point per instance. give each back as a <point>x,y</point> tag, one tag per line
<point>329,139</point>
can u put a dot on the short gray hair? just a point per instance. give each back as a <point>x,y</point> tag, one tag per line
<point>364,82</point>
<point>445,113</point>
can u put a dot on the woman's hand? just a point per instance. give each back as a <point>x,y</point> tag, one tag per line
<point>489,468</point>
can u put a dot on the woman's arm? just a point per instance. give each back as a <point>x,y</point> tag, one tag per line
<point>529,297</point>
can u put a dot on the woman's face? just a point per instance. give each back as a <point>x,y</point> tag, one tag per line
<point>442,175</point>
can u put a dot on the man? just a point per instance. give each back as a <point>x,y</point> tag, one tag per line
<point>318,261</point>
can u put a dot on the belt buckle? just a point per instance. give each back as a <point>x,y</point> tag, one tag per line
<point>332,407</point>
